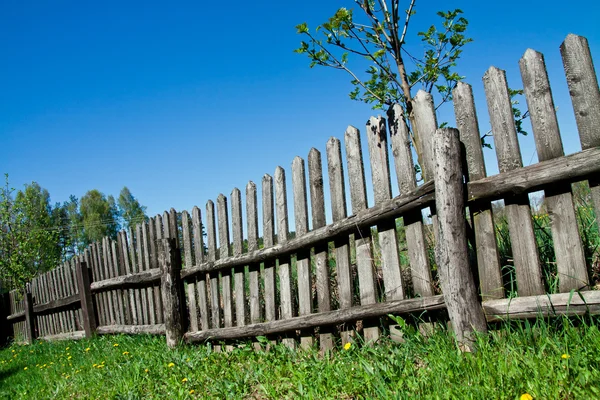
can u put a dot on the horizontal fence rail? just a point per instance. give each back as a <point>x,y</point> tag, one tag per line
<point>199,276</point>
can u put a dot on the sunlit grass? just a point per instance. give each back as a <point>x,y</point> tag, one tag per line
<point>556,359</point>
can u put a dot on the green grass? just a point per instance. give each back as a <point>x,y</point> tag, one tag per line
<point>547,359</point>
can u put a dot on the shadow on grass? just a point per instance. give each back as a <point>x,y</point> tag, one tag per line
<point>8,372</point>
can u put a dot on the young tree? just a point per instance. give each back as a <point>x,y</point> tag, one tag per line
<point>130,209</point>
<point>99,216</point>
<point>379,35</point>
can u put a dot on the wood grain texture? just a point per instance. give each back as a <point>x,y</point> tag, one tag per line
<point>358,196</point>
<point>152,307</point>
<point>269,241</point>
<point>570,258</point>
<point>488,257</point>
<point>201,282</point>
<point>86,300</point>
<point>224,253</point>
<point>238,249</point>
<point>585,97</point>
<point>382,189</point>
<point>302,257</point>
<point>518,212</point>
<point>456,278</point>
<point>211,232</point>
<point>253,267</point>
<point>188,262</point>
<point>158,329</point>
<point>425,124</point>
<point>172,292</point>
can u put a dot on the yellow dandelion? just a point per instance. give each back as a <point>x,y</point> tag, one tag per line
<point>192,391</point>
<point>25,369</point>
<point>87,349</point>
<point>184,380</point>
<point>347,346</point>
<point>146,370</point>
<point>125,353</point>
<point>170,365</point>
<point>565,356</point>
<point>526,396</point>
<point>67,349</point>
<point>116,345</point>
<point>94,365</point>
<point>68,358</point>
<point>13,350</point>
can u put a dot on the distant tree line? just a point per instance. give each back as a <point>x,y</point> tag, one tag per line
<point>37,235</point>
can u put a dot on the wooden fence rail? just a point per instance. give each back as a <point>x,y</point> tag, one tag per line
<point>163,276</point>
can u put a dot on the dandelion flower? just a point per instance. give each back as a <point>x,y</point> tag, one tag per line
<point>116,345</point>
<point>87,349</point>
<point>565,356</point>
<point>67,349</point>
<point>68,358</point>
<point>25,369</point>
<point>526,396</point>
<point>94,365</point>
<point>170,365</point>
<point>184,380</point>
<point>192,391</point>
<point>125,353</point>
<point>347,346</point>
<point>146,370</point>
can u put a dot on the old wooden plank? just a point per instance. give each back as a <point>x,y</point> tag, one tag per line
<point>134,269</point>
<point>61,290</point>
<point>72,280</point>
<point>111,298</point>
<point>139,265</point>
<point>585,97</point>
<point>158,329</point>
<point>286,309</point>
<point>488,257</point>
<point>456,278</point>
<point>224,252</point>
<point>188,262</point>
<point>146,266</point>
<point>253,268</point>
<point>122,237</point>
<point>56,305</point>
<point>64,336</point>
<point>570,258</point>
<point>572,303</point>
<point>215,306</point>
<point>54,287</point>
<point>358,196</point>
<point>317,202</point>
<point>172,292</point>
<point>155,226</point>
<point>303,256</point>
<point>114,272</point>
<point>238,244</point>
<point>29,315</point>
<point>127,294</point>
<point>420,270</point>
<point>268,241</point>
<point>321,319</point>
<point>199,258</point>
<point>85,298</point>
<point>382,188</point>
<point>36,300</point>
<point>137,279</point>
<point>522,238</point>
<point>425,124</point>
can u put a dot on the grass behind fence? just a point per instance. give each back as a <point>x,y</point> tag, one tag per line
<point>547,359</point>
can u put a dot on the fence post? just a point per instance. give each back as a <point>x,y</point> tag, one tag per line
<point>456,277</point>
<point>87,303</point>
<point>172,291</point>
<point>29,315</point>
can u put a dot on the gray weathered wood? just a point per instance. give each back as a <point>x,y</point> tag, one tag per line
<point>388,242</point>
<point>425,124</point>
<point>98,276</point>
<point>358,196</point>
<point>303,256</point>
<point>29,315</point>
<point>211,231</point>
<point>321,319</point>
<point>268,240</point>
<point>488,258</point>
<point>518,212</point>
<point>58,305</point>
<point>238,247</point>
<point>172,292</point>
<point>224,252</point>
<point>580,303</point>
<point>127,294</point>
<point>420,269</point>
<point>253,268</point>
<point>456,278</point>
<point>188,262</point>
<point>128,270</point>
<point>145,318</point>
<point>137,279</point>
<point>153,246</point>
<point>201,279</point>
<point>114,268</point>
<point>85,295</point>
<point>134,269</point>
<point>149,290</point>
<point>570,258</point>
<point>112,298</point>
<point>421,197</point>
<point>286,310</point>
<point>585,96</point>
<point>158,329</point>
<point>64,336</point>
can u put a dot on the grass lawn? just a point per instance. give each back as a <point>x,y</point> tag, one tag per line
<point>547,360</point>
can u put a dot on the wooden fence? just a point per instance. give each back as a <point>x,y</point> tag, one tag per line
<point>162,278</point>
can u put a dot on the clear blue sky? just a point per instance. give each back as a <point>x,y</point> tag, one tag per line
<point>184,101</point>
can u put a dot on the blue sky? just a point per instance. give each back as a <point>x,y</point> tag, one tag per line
<point>184,101</point>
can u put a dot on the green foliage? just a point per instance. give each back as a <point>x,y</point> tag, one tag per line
<point>376,36</point>
<point>546,359</point>
<point>130,209</point>
<point>99,216</point>
<point>29,241</point>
